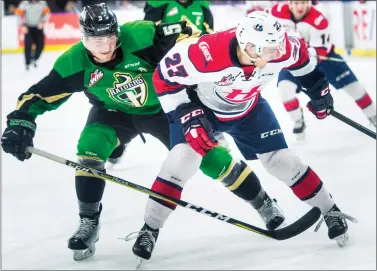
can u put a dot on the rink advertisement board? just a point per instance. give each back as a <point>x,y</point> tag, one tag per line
<point>61,30</point>
<point>364,25</point>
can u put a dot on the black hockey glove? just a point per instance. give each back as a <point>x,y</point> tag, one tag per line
<point>18,135</point>
<point>322,102</point>
<point>196,127</point>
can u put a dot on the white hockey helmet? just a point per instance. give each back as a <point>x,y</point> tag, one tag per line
<point>262,35</point>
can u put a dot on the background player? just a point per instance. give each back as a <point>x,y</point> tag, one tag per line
<point>194,12</point>
<point>300,18</point>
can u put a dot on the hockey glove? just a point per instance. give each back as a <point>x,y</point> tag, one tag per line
<point>322,102</point>
<point>18,135</point>
<point>196,128</point>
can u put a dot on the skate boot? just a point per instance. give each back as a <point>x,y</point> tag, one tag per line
<point>337,225</point>
<point>82,242</point>
<point>145,242</point>
<point>299,128</point>
<point>271,214</point>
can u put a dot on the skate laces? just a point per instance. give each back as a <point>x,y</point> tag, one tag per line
<point>269,210</point>
<point>86,228</point>
<point>148,238</point>
<point>332,218</point>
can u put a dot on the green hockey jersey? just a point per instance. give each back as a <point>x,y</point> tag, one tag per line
<point>196,12</point>
<point>124,84</point>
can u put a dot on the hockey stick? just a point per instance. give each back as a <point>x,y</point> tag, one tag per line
<point>353,124</point>
<point>299,226</point>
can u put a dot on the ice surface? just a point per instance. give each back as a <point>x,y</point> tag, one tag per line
<point>39,207</point>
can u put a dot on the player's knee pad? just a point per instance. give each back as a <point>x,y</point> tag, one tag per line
<point>89,187</point>
<point>97,141</point>
<point>284,165</point>
<point>182,163</point>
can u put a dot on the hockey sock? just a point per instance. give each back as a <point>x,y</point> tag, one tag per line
<point>288,96</point>
<point>89,188</point>
<point>362,98</point>
<point>310,189</point>
<point>88,209</point>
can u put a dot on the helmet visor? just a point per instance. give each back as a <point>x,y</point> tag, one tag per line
<point>101,44</point>
<point>269,53</point>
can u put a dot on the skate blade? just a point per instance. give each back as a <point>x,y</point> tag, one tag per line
<point>342,239</point>
<point>79,255</point>
<point>139,263</point>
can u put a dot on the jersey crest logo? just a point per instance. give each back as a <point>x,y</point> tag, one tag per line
<point>236,95</point>
<point>227,80</point>
<point>95,77</point>
<point>129,90</point>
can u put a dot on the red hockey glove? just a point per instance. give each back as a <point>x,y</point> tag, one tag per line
<point>322,102</point>
<point>196,128</point>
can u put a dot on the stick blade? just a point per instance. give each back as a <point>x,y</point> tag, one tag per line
<point>299,226</point>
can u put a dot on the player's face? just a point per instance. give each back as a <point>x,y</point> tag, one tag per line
<point>299,8</point>
<point>267,54</point>
<point>101,47</point>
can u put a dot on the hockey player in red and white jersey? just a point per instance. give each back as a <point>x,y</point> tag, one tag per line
<point>308,23</point>
<point>213,84</point>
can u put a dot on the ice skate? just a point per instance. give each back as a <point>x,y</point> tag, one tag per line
<point>337,225</point>
<point>82,242</point>
<point>145,242</point>
<point>271,214</point>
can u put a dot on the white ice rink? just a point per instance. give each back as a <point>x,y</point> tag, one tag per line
<point>39,207</point>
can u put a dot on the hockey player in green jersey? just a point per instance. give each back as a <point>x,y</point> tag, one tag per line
<point>195,12</point>
<point>113,66</point>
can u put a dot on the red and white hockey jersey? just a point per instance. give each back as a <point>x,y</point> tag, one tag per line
<point>226,87</point>
<point>313,28</point>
